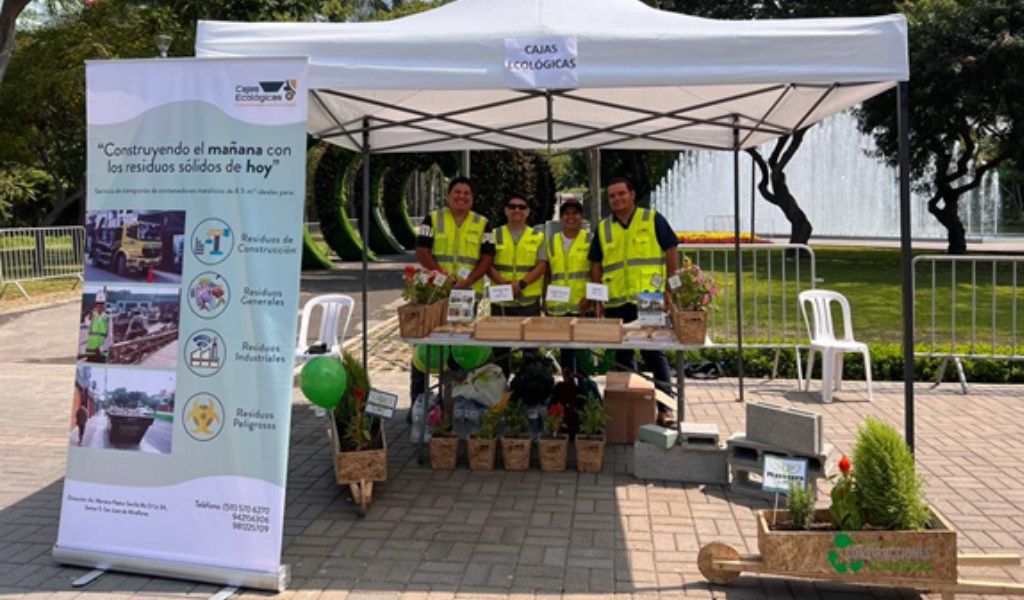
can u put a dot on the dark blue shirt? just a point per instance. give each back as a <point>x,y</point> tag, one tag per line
<point>666,236</point>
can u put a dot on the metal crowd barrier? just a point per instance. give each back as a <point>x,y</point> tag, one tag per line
<point>34,253</point>
<point>773,277</point>
<point>966,307</point>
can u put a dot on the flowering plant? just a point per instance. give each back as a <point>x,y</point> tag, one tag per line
<point>350,414</point>
<point>439,421</point>
<point>553,422</point>
<point>691,288</point>
<point>425,287</point>
<point>845,509</point>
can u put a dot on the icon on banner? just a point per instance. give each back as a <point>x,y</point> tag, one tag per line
<point>212,241</point>
<point>204,417</point>
<point>205,352</point>
<point>208,295</point>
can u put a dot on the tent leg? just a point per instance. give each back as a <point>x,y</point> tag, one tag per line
<point>364,225</point>
<point>903,115</point>
<point>739,255</point>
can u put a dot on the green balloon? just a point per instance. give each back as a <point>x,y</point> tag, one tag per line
<point>324,380</point>
<point>438,354</point>
<point>470,357</point>
<point>595,362</point>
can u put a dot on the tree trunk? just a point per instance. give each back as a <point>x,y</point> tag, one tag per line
<point>8,17</point>
<point>777,193</point>
<point>944,206</point>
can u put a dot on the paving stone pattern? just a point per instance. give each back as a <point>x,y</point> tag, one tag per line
<point>519,536</point>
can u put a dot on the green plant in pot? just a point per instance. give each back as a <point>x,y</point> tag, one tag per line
<point>590,443</point>
<point>515,445</point>
<point>886,484</point>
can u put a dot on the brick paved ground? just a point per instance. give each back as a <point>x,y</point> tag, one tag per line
<point>461,534</point>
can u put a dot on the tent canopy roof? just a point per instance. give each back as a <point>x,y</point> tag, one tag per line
<point>647,79</point>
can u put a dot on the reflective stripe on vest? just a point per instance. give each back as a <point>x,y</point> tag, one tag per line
<point>570,269</point>
<point>458,246</point>
<point>631,256</point>
<point>514,260</point>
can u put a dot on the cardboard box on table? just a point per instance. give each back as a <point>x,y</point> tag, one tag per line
<point>631,404</point>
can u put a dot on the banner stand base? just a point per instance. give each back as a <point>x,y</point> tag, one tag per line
<point>260,580</point>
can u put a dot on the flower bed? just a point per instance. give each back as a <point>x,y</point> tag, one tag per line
<point>716,237</point>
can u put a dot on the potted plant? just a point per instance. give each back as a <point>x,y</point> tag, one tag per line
<point>360,448</point>
<point>444,445</point>
<point>427,295</point>
<point>691,293</point>
<point>590,442</point>
<point>481,445</point>
<point>877,529</point>
<point>553,446</point>
<point>516,443</point>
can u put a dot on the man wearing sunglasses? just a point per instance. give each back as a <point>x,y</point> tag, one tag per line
<point>630,253</point>
<point>520,260</point>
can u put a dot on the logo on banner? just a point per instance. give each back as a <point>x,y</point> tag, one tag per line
<point>266,93</point>
<point>537,63</point>
<point>208,295</point>
<point>212,241</point>
<point>204,352</point>
<point>204,417</point>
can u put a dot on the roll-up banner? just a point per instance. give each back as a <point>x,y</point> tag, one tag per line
<point>178,436</point>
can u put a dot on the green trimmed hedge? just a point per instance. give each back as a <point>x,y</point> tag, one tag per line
<point>886,364</point>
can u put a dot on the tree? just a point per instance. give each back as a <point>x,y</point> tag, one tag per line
<point>774,189</point>
<point>9,13</point>
<point>966,101</point>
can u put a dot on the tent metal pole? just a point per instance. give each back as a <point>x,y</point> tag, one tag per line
<point>753,196</point>
<point>906,261</point>
<point>466,171</point>
<point>364,226</point>
<point>594,166</point>
<point>739,255</point>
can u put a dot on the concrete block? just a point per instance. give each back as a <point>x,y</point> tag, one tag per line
<point>658,436</point>
<point>798,431</point>
<point>743,449</point>
<point>698,434</point>
<point>680,463</point>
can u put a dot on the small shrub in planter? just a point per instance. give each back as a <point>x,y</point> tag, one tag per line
<point>800,501</point>
<point>590,442</point>
<point>887,486</point>
<point>515,445</point>
<point>553,447</point>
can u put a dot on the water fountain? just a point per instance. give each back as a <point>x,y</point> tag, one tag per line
<point>844,191</point>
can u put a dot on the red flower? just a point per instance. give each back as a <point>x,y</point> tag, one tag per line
<point>360,394</point>
<point>436,416</point>
<point>555,410</point>
<point>410,270</point>
<point>844,465</point>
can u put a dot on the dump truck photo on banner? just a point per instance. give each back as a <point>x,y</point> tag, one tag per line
<point>181,408</point>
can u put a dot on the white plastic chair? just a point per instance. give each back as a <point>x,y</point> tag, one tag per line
<point>823,339</point>
<point>336,313</point>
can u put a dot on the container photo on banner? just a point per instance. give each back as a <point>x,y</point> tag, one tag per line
<point>178,435</point>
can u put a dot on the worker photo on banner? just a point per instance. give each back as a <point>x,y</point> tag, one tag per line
<point>129,325</point>
<point>123,409</point>
<point>141,246</point>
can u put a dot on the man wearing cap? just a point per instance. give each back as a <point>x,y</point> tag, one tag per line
<point>568,270</point>
<point>97,323</point>
<point>520,261</point>
<point>630,254</point>
<point>457,242</point>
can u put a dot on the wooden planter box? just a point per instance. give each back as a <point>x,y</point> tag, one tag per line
<point>547,329</point>
<point>515,453</point>
<point>444,452</point>
<point>597,330</point>
<point>590,453</point>
<point>418,320</point>
<point>554,453</point>
<point>499,329</point>
<point>481,453</point>
<point>690,326</point>
<point>358,465</point>
<point>859,556</point>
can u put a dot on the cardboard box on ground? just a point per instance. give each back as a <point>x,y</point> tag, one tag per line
<point>631,404</point>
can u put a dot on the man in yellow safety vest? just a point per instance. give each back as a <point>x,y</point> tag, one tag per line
<point>97,323</point>
<point>457,242</point>
<point>568,270</point>
<point>630,254</point>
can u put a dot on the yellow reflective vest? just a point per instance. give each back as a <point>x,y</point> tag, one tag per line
<point>98,326</point>
<point>570,269</point>
<point>458,246</point>
<point>515,260</point>
<point>631,257</point>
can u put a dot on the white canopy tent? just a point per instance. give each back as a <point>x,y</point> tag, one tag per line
<point>640,78</point>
